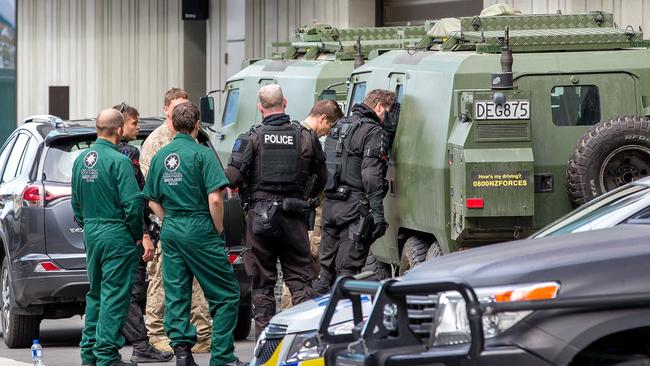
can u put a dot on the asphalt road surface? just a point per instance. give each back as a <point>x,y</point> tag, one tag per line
<point>60,341</point>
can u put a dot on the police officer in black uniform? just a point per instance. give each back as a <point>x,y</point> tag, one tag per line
<point>353,211</point>
<point>280,166</point>
<point>134,329</point>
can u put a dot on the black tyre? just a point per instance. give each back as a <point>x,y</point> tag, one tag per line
<point>611,154</point>
<point>244,322</point>
<point>18,331</point>
<point>380,269</point>
<point>414,252</point>
<point>434,251</point>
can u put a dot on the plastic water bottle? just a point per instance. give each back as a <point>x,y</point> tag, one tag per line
<point>37,353</point>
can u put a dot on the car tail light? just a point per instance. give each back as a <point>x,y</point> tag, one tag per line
<point>234,258</point>
<point>55,192</point>
<point>46,267</point>
<point>475,203</point>
<point>32,196</point>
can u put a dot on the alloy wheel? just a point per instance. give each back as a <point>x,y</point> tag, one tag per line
<point>5,302</point>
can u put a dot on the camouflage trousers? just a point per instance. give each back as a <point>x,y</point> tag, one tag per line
<point>314,243</point>
<point>200,315</point>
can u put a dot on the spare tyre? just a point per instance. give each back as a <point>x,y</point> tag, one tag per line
<point>611,154</point>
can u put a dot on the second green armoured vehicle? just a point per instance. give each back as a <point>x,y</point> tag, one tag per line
<point>315,64</point>
<point>499,135</point>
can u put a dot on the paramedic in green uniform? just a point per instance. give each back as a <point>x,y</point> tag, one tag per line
<point>108,205</point>
<point>184,188</point>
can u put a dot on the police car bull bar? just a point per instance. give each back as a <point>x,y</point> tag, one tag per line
<point>405,346</point>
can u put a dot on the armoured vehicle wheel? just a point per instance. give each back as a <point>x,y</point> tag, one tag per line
<point>18,331</point>
<point>381,270</point>
<point>434,251</point>
<point>611,154</point>
<point>243,327</point>
<point>413,253</point>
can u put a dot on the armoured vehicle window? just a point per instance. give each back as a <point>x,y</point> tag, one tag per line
<point>575,105</point>
<point>230,110</point>
<point>358,93</point>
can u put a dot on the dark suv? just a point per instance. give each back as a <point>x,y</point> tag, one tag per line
<point>42,253</point>
<point>580,299</point>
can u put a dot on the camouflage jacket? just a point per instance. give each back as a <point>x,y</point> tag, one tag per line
<point>160,137</point>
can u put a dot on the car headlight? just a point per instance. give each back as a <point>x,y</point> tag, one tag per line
<point>306,346</point>
<point>453,325</point>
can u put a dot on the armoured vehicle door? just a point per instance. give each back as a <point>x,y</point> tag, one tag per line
<point>563,108</point>
<point>396,83</point>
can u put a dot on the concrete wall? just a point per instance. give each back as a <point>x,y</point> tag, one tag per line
<point>106,52</point>
<point>243,29</point>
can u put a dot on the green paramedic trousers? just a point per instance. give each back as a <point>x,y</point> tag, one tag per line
<point>111,259</point>
<point>191,249</point>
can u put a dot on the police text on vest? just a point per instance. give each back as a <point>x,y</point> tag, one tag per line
<point>278,139</point>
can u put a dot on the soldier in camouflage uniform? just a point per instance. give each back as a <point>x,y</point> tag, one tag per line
<point>200,316</point>
<point>323,115</point>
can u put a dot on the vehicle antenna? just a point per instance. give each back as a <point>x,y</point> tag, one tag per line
<point>503,79</point>
<point>358,56</point>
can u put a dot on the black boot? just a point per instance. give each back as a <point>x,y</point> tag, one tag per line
<point>145,352</point>
<point>184,355</point>
<point>321,284</point>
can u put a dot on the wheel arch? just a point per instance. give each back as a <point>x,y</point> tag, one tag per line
<point>404,233</point>
<point>614,328</point>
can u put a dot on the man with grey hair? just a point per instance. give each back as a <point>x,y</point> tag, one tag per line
<point>279,167</point>
<point>108,205</point>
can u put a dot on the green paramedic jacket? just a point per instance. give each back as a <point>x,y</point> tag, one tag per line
<point>181,176</point>
<point>104,188</point>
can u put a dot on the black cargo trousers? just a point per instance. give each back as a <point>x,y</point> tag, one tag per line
<point>340,254</point>
<point>134,329</point>
<point>292,248</point>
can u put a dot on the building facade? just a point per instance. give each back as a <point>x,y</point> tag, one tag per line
<point>106,52</point>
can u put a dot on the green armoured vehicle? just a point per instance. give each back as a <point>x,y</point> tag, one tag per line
<point>315,64</point>
<point>476,160</point>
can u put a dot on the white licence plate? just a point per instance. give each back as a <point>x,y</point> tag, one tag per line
<point>515,109</point>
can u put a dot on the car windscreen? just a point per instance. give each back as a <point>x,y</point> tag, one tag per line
<point>606,211</point>
<point>61,156</point>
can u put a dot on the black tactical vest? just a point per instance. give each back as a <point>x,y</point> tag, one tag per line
<point>343,163</point>
<point>278,164</point>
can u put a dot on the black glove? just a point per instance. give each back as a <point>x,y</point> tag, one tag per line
<point>379,230</point>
